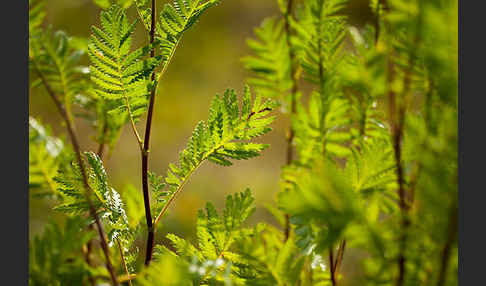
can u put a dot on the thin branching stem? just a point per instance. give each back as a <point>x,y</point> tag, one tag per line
<point>132,123</point>
<point>179,189</point>
<point>101,147</point>
<point>340,255</point>
<point>331,266</point>
<point>146,142</point>
<point>189,174</point>
<point>88,189</point>
<point>397,133</point>
<point>293,101</point>
<point>89,244</point>
<point>123,261</point>
<point>397,109</point>
<point>396,116</point>
<point>145,151</point>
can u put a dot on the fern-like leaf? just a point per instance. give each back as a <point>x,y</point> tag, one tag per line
<point>217,234</point>
<point>107,201</point>
<point>270,63</point>
<point>223,137</point>
<point>57,58</point>
<point>119,74</point>
<point>56,257</point>
<point>319,37</point>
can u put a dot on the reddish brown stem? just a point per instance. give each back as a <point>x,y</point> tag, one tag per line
<point>88,189</point>
<point>145,153</point>
<point>397,131</point>
<point>332,266</point>
<point>87,256</point>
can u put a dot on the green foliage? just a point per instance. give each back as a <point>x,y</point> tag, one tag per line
<point>372,168</point>
<point>54,55</point>
<point>324,129</point>
<point>107,200</point>
<point>216,234</point>
<point>103,116</point>
<point>105,4</point>
<point>323,196</point>
<point>56,258</point>
<point>120,75</point>
<point>373,125</point>
<point>271,62</point>
<point>213,258</point>
<point>320,32</point>
<point>144,11</point>
<point>179,272</point>
<point>223,137</point>
<point>46,155</point>
<point>36,17</point>
<point>266,260</point>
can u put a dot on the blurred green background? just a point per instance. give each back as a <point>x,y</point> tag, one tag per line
<point>206,63</point>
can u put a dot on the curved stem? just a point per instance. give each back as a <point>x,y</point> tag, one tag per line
<point>145,152</point>
<point>146,143</point>
<point>88,189</point>
<point>132,123</point>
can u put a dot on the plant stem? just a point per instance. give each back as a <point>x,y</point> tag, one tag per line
<point>397,132</point>
<point>340,254</point>
<point>101,147</point>
<point>146,143</point>
<point>293,103</point>
<point>189,174</point>
<point>145,152</point>
<point>87,256</point>
<point>396,119</point>
<point>397,124</point>
<point>123,261</point>
<point>89,244</point>
<point>88,189</point>
<point>332,266</point>
<point>166,206</point>
<point>451,238</point>
<point>132,123</point>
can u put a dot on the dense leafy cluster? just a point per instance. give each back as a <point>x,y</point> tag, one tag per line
<point>362,140</point>
<point>370,180</point>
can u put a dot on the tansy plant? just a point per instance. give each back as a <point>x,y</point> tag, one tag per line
<point>370,163</point>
